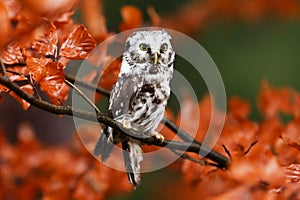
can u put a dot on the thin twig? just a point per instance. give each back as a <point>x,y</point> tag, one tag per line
<point>250,147</point>
<point>3,69</point>
<point>89,86</point>
<point>83,95</point>
<point>227,151</point>
<point>17,73</point>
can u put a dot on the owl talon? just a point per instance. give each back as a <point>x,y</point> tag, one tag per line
<point>158,137</point>
<point>127,125</point>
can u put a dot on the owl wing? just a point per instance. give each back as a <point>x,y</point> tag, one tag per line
<point>104,146</point>
<point>119,106</point>
<point>123,95</point>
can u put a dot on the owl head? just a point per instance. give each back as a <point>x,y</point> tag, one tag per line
<point>149,47</point>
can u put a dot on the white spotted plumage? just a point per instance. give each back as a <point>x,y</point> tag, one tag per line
<point>140,95</point>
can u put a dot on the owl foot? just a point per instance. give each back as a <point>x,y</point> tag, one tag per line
<point>127,125</point>
<point>158,137</point>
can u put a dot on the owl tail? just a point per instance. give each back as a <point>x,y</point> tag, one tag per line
<point>104,145</point>
<point>132,153</point>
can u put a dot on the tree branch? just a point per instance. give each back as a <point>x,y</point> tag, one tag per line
<point>204,151</point>
<point>190,145</point>
<point>173,127</point>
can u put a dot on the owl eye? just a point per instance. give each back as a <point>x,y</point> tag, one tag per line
<point>144,47</point>
<point>164,47</point>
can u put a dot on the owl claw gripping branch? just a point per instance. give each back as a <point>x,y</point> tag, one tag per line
<point>139,97</point>
<point>157,136</point>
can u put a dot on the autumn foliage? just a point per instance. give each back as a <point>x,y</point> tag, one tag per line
<point>38,41</point>
<point>264,159</point>
<point>264,155</point>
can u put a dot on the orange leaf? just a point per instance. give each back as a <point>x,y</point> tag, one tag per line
<point>239,192</point>
<point>291,134</point>
<point>289,101</point>
<point>132,18</point>
<point>286,153</point>
<point>52,82</point>
<point>12,54</point>
<point>267,101</point>
<point>50,76</point>
<point>269,130</point>
<point>292,173</point>
<point>27,88</point>
<point>272,101</point>
<point>110,74</point>
<point>3,89</point>
<point>17,77</point>
<point>78,44</point>
<point>45,39</point>
<point>64,26</point>
<point>239,108</point>
<point>252,170</point>
<point>37,67</point>
<point>59,96</point>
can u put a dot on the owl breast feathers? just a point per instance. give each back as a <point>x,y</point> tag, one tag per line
<point>142,90</point>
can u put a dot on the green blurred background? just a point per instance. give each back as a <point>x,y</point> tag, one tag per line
<point>245,53</point>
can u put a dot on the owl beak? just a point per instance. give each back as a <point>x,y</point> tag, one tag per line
<point>155,58</point>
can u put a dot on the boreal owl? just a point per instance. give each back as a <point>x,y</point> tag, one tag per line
<point>139,97</point>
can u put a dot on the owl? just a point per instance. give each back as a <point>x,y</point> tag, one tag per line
<point>139,97</point>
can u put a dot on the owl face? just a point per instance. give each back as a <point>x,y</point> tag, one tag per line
<point>150,47</point>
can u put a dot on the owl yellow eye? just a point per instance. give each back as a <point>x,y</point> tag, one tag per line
<point>144,47</point>
<point>164,47</point>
